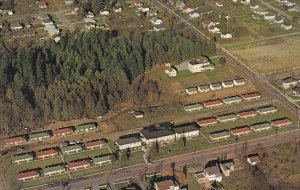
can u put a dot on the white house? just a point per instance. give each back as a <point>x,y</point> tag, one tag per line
<point>219,4</point>
<point>194,15</point>
<point>213,173</point>
<point>215,86</point>
<point>131,143</point>
<point>253,159</point>
<point>156,21</point>
<point>166,185</point>
<point>219,135</point>
<point>213,29</point>
<point>239,82</point>
<point>296,91</point>
<point>199,65</point>
<point>289,82</point>
<point>171,71</point>
<point>90,15</point>
<point>227,84</point>
<point>191,90</point>
<point>203,88</point>
<point>226,35</point>
<point>269,17</point>
<point>245,2</point>
<point>159,135</point>
<point>286,26</point>
<point>104,12</point>
<point>187,130</point>
<point>254,6</point>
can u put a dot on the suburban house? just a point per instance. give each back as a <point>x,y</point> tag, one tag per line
<point>168,184</point>
<point>286,26</point>
<point>245,2</point>
<point>239,81</point>
<point>42,4</point>
<point>48,153</point>
<point>207,122</point>
<point>156,21</point>
<point>269,17</point>
<point>69,2</point>
<point>219,135</point>
<point>254,6</point>
<point>194,15</point>
<point>138,114</point>
<point>171,71</point>
<point>187,130</point>
<point>137,3</point>
<point>85,127</point>
<point>266,110</point>
<point>39,136</point>
<point>28,175</point>
<point>207,23</point>
<point>240,131</point>
<point>200,177</point>
<point>118,8</point>
<point>203,88</point>
<point>79,164</point>
<point>152,12</point>
<point>282,122</point>
<point>191,90</point>
<point>296,91</point>
<point>213,29</point>
<point>157,135</point>
<point>15,140</point>
<point>159,27</point>
<point>289,82</point>
<point>71,149</point>
<point>200,65</point>
<point>227,166</point>
<point>62,131</point>
<point>91,145</point>
<point>213,103</point>
<point>227,117</point>
<point>213,173</point>
<point>215,86</point>
<point>226,35</point>
<point>251,96</point>
<point>193,107</point>
<point>232,100</point>
<point>90,15</point>
<point>104,12</point>
<point>102,160</point>
<point>131,143</point>
<point>21,158</point>
<point>54,170</point>
<point>227,84</point>
<point>15,26</point>
<point>261,126</point>
<point>253,159</point>
<point>246,114</point>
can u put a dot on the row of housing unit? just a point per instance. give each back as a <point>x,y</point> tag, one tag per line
<point>64,168</point>
<point>245,130</point>
<point>39,136</point>
<point>215,86</point>
<point>217,103</point>
<point>235,116</point>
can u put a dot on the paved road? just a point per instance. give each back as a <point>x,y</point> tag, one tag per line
<point>161,166</point>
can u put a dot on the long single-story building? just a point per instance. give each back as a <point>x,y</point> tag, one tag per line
<point>240,131</point>
<point>54,170</point>
<point>193,107</point>
<point>63,131</point>
<point>282,122</point>
<point>85,127</point>
<point>39,136</point>
<point>215,86</point>
<point>91,145</point>
<point>71,149</point>
<point>187,130</point>
<point>79,164</point>
<point>207,122</point>
<point>157,135</point>
<point>102,160</point>
<point>47,153</point>
<point>15,140</point>
<point>239,81</point>
<point>219,135</point>
<point>191,90</point>
<point>28,175</point>
<point>251,96</point>
<point>21,158</point>
<point>246,114</point>
<point>213,103</point>
<point>232,100</point>
<point>261,126</point>
<point>131,143</point>
<point>227,117</point>
<point>203,88</point>
<point>227,84</point>
<point>266,110</point>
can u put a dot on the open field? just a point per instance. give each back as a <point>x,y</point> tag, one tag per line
<point>276,55</point>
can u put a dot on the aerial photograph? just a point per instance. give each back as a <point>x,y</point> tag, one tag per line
<point>150,94</point>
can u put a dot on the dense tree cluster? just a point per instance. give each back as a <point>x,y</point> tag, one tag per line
<point>83,75</point>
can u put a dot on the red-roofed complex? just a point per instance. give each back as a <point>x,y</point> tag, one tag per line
<point>207,122</point>
<point>77,165</point>
<point>240,131</point>
<point>282,122</point>
<point>213,103</point>
<point>63,131</point>
<point>91,145</point>
<point>15,140</point>
<point>253,159</point>
<point>246,114</point>
<point>42,4</point>
<point>46,153</point>
<point>251,96</point>
<point>166,185</point>
<point>27,175</point>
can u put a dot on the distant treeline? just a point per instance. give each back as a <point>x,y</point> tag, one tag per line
<point>83,75</point>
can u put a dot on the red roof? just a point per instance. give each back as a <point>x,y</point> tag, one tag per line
<point>247,113</point>
<point>27,174</point>
<point>42,4</point>
<point>94,143</point>
<point>79,163</point>
<point>46,152</point>
<point>163,185</point>
<point>281,122</point>
<point>255,158</point>
<point>208,121</point>
<point>62,130</point>
<point>213,103</point>
<point>241,130</point>
<point>251,95</point>
<point>15,139</point>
